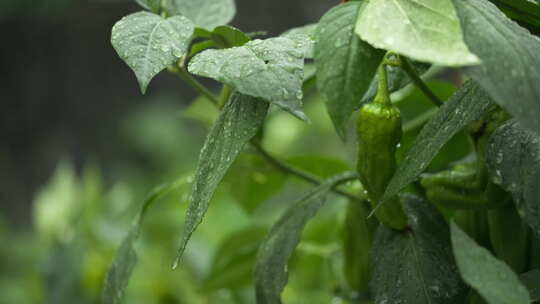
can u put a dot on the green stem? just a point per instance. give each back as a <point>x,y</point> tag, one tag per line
<point>224,96</point>
<point>383,96</point>
<point>194,83</point>
<point>420,84</point>
<point>306,176</point>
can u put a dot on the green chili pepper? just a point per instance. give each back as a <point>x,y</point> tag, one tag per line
<point>357,239</point>
<point>509,236</point>
<point>379,133</point>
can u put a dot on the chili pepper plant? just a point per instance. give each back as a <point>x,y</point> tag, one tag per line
<point>441,100</point>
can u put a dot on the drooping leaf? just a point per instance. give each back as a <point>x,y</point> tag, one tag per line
<point>151,5</point>
<point>493,279</point>
<point>345,64</point>
<point>232,266</point>
<point>531,280</point>
<point>271,69</point>
<point>415,266</point>
<point>513,160</point>
<point>125,259</point>
<point>227,36</point>
<point>239,121</point>
<point>510,69</point>
<point>468,104</point>
<point>424,30</point>
<point>148,43</point>
<point>275,251</point>
<point>205,14</point>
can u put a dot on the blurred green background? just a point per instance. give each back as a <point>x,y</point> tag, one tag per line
<point>81,149</point>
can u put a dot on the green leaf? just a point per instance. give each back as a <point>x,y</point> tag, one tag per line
<point>493,279</point>
<point>521,10</point>
<point>305,34</point>
<point>345,64</point>
<point>415,266</point>
<point>271,69</point>
<point>279,244</point>
<point>149,43</point>
<point>239,121</point>
<point>232,266</point>
<point>424,30</point>
<point>125,259</point>
<point>510,55</point>
<point>205,14</point>
<point>227,36</point>
<point>151,5</point>
<point>531,280</point>
<point>468,104</point>
<point>513,161</point>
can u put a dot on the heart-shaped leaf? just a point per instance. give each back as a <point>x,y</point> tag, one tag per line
<point>149,43</point>
<point>272,69</point>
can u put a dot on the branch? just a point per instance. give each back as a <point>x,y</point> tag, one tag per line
<point>420,84</point>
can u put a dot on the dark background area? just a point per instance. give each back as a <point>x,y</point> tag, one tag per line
<point>64,91</point>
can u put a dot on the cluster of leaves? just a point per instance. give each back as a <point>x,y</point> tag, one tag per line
<point>433,260</point>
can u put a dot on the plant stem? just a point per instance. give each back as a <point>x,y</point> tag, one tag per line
<point>194,83</point>
<point>383,96</point>
<point>306,176</point>
<point>420,84</point>
<point>281,165</point>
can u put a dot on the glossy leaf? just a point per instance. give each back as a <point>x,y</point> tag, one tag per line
<point>271,69</point>
<point>424,30</point>
<point>125,259</point>
<point>239,121</point>
<point>493,279</point>
<point>415,266</point>
<point>205,14</point>
<point>278,246</point>
<point>468,104</point>
<point>513,160</point>
<point>345,64</point>
<point>510,69</point>
<point>531,280</point>
<point>304,34</point>
<point>148,43</point>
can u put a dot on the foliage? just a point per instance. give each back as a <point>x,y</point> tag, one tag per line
<point>461,76</point>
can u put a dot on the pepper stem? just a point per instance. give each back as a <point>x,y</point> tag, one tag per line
<point>383,96</point>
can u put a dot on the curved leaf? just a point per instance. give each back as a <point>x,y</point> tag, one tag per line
<point>271,69</point>
<point>149,43</point>
<point>239,121</point>
<point>424,30</point>
<point>510,69</point>
<point>205,14</point>
<point>513,160</point>
<point>468,104</point>
<point>493,279</point>
<point>345,64</point>
<point>415,266</point>
<point>275,251</point>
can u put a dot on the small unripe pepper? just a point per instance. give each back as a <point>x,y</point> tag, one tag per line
<point>379,133</point>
